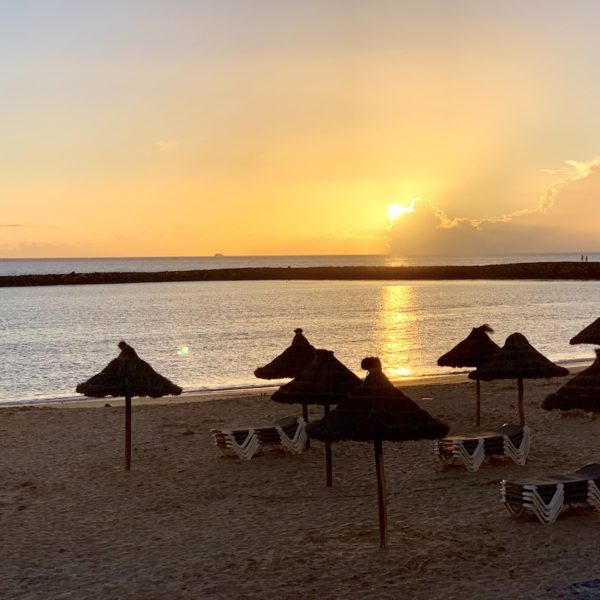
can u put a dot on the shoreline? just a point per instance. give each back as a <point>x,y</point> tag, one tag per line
<point>224,394</point>
<point>510,271</point>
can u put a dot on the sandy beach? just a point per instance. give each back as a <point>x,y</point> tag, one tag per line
<point>186,523</point>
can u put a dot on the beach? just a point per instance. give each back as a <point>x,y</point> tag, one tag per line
<point>189,523</point>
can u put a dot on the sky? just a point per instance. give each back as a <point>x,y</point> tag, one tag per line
<point>253,127</point>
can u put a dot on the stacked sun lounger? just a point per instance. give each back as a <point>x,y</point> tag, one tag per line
<point>242,442</point>
<point>547,496</point>
<point>510,441</point>
<point>288,433</point>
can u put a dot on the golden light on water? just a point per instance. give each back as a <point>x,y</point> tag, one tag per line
<point>395,211</point>
<point>398,373</point>
<point>396,331</point>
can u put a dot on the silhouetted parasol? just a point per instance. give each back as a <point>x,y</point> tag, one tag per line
<point>519,360</point>
<point>290,363</point>
<point>325,381</point>
<point>582,392</point>
<point>475,350</point>
<point>128,376</point>
<point>377,412</point>
<point>588,335</point>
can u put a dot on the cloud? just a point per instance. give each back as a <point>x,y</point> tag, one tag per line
<point>165,145</point>
<point>565,219</point>
<point>12,225</point>
<point>577,170</point>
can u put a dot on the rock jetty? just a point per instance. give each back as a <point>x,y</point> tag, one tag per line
<point>538,270</point>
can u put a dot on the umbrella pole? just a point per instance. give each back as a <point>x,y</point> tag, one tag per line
<point>478,412</point>
<point>127,433</point>
<point>305,417</point>
<point>328,466</point>
<point>521,409</point>
<point>380,491</point>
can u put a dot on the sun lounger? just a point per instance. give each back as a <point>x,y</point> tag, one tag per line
<point>242,442</point>
<point>289,433</point>
<point>547,496</point>
<point>510,441</point>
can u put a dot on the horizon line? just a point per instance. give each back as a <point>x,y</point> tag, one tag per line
<point>218,256</point>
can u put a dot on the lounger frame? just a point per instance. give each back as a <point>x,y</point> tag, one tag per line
<point>246,442</point>
<point>547,498</point>
<point>471,452</point>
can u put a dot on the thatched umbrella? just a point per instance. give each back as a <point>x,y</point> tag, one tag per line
<point>582,392</point>
<point>325,381</point>
<point>588,335</point>
<point>128,375</point>
<point>519,360</point>
<point>290,363</point>
<point>377,412</point>
<point>475,350</point>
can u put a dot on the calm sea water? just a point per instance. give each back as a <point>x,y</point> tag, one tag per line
<point>94,265</point>
<point>212,335</point>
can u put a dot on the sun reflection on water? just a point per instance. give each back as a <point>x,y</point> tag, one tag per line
<point>397,331</point>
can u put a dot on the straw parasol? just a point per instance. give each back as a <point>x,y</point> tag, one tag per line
<point>290,363</point>
<point>519,360</point>
<point>128,375</point>
<point>475,350</point>
<point>582,392</point>
<point>588,335</point>
<point>377,412</point>
<point>325,381</point>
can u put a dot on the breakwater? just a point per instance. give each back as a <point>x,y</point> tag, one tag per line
<point>533,270</point>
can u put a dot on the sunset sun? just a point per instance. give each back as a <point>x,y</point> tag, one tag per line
<point>395,211</point>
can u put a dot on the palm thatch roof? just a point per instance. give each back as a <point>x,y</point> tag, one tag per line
<point>476,349</point>
<point>377,411</point>
<point>291,362</point>
<point>128,376</point>
<point>324,381</point>
<point>588,335</point>
<point>518,359</point>
<point>582,392</point>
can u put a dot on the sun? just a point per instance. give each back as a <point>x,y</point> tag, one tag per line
<point>395,211</point>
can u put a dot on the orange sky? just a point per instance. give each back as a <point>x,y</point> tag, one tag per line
<point>179,128</point>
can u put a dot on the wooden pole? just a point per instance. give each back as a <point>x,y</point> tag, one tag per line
<point>478,412</point>
<point>328,466</point>
<point>128,434</point>
<point>521,409</point>
<point>380,491</point>
<point>305,417</point>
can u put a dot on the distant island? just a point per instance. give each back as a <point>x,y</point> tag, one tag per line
<point>536,270</point>
<point>218,254</point>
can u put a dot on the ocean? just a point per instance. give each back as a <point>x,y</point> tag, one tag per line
<point>212,335</point>
<point>28,266</point>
